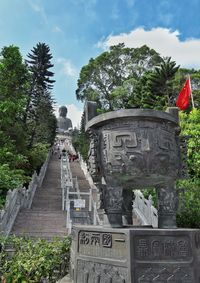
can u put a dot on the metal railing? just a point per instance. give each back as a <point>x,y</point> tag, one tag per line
<point>71,192</point>
<point>93,187</point>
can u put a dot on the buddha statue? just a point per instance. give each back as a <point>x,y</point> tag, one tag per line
<point>63,123</point>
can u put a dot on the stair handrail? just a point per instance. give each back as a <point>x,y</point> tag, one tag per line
<point>76,186</point>
<point>96,218</point>
<point>68,218</point>
<point>93,187</point>
<point>66,180</point>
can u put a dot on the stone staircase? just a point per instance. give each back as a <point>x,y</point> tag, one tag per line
<point>45,219</point>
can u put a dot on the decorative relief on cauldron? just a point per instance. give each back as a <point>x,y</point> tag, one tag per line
<point>93,163</point>
<point>140,151</point>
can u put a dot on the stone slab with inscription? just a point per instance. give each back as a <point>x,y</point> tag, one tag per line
<point>139,255</point>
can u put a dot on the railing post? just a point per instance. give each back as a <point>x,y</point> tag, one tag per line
<point>68,213</point>
<point>90,200</point>
<point>63,199</point>
<point>94,213</point>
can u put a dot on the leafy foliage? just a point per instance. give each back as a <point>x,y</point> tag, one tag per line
<point>190,124</point>
<point>27,121</point>
<point>156,90</point>
<point>34,260</point>
<point>188,215</point>
<point>80,139</point>
<point>37,155</point>
<point>99,79</point>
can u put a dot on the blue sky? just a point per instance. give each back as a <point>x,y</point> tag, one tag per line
<point>77,30</point>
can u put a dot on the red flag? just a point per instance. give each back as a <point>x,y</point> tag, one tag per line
<point>183,99</point>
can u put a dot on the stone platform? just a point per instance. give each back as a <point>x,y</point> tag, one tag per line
<point>135,255</point>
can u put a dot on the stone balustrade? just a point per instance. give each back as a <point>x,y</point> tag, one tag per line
<point>145,210</point>
<point>20,198</point>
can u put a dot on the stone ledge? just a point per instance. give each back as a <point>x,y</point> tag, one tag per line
<point>65,279</point>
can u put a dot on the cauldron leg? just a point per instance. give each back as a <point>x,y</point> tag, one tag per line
<point>112,199</point>
<point>167,205</point>
<point>127,207</point>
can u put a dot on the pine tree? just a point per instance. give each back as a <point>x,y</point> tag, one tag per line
<point>40,63</point>
<point>40,100</point>
<point>157,86</point>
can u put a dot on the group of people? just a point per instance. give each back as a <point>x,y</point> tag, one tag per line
<point>59,148</point>
<point>72,157</point>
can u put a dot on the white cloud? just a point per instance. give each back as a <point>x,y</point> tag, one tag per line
<point>67,67</point>
<point>57,29</point>
<point>38,8</point>
<point>164,41</point>
<point>74,113</point>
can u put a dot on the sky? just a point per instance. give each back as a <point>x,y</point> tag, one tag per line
<point>77,30</point>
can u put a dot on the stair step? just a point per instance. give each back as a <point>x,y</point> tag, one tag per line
<point>45,219</point>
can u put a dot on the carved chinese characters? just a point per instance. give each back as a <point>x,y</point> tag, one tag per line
<point>102,244</point>
<point>161,248</point>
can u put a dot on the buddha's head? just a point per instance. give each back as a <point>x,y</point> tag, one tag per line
<point>63,111</point>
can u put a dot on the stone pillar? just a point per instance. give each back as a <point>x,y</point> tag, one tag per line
<point>127,207</point>
<point>167,205</point>
<point>112,199</point>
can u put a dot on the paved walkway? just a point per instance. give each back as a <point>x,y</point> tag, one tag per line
<point>45,219</point>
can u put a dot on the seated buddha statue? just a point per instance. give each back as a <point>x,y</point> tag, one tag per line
<point>63,123</point>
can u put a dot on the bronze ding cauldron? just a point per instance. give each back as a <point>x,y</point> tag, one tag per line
<point>135,148</point>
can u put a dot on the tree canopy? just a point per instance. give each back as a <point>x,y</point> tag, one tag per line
<point>27,121</point>
<point>101,76</point>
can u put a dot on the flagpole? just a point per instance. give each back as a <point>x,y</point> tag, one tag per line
<point>191,93</point>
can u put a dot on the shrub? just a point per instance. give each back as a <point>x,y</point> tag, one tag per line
<point>38,155</point>
<point>188,215</point>
<point>34,260</point>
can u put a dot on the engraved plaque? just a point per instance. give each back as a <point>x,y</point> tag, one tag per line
<point>160,248</point>
<point>102,244</point>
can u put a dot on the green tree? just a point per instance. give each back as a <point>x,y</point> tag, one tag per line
<point>39,65</point>
<point>13,86</point>
<point>156,87</point>
<point>102,75</point>
<point>189,212</point>
<point>40,100</point>
<point>190,125</point>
